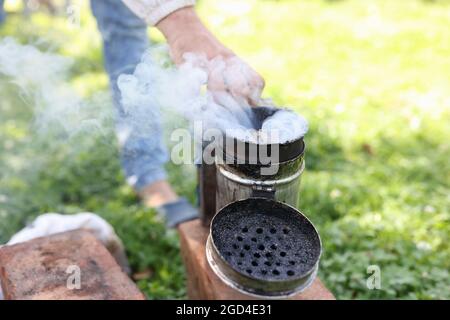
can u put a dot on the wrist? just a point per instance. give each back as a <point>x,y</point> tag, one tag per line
<point>179,22</point>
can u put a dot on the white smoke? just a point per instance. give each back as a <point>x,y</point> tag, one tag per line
<point>287,124</point>
<point>151,97</point>
<point>42,78</point>
<point>158,88</point>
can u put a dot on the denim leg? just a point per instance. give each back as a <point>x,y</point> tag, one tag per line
<point>124,42</point>
<point>2,12</point>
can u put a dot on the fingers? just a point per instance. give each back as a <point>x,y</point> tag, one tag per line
<point>217,81</point>
<point>230,75</point>
<point>257,85</point>
<point>237,78</point>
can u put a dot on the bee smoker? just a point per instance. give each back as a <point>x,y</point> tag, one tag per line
<point>259,243</point>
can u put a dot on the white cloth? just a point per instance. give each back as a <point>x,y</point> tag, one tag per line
<point>153,11</point>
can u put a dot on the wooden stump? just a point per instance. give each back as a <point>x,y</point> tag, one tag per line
<point>202,282</point>
<point>40,269</point>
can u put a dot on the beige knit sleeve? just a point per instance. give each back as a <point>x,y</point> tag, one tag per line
<point>152,11</point>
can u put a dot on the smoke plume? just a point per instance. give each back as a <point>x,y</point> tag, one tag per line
<point>157,89</point>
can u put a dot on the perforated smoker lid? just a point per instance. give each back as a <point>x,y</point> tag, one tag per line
<point>266,240</point>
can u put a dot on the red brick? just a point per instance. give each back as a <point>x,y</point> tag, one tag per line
<point>36,269</point>
<point>202,282</point>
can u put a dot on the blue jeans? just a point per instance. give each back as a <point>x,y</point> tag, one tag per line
<point>124,42</point>
<point>2,12</point>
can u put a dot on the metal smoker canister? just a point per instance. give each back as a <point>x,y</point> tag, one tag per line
<point>239,175</point>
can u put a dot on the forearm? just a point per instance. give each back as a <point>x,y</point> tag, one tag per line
<point>184,20</point>
<point>185,32</point>
<point>153,11</point>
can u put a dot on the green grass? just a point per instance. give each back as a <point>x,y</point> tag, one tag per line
<point>372,79</point>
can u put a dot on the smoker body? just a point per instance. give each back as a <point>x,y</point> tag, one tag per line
<point>241,180</point>
<point>237,172</point>
<point>236,182</point>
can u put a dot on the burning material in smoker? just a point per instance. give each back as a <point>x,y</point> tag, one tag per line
<point>159,87</point>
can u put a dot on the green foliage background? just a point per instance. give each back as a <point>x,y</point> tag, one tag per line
<point>372,78</point>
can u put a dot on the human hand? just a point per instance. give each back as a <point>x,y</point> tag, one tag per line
<point>227,73</point>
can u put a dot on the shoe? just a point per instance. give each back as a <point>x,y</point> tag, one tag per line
<point>177,212</point>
